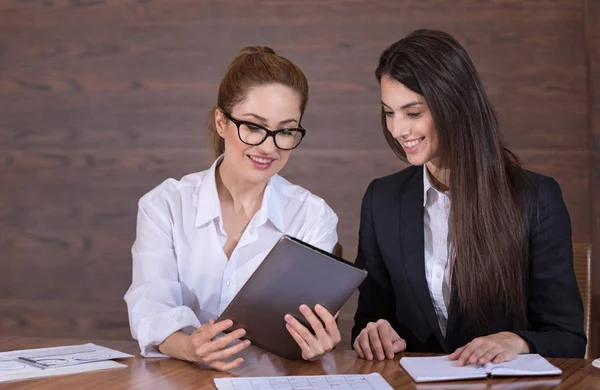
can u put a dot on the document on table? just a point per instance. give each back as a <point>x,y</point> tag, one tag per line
<point>321,382</point>
<point>45,362</point>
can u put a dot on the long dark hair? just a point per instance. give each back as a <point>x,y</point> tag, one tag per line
<point>488,189</point>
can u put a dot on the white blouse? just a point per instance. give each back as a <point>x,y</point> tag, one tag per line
<point>436,211</point>
<point>182,277</point>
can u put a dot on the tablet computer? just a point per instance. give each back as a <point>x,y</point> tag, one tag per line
<point>293,273</point>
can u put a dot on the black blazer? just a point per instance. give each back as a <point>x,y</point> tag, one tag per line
<point>391,248</point>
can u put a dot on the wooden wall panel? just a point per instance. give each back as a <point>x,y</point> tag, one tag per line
<point>102,100</point>
<point>140,70</point>
<point>98,192</point>
<point>51,317</point>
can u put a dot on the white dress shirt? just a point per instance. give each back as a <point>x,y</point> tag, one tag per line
<point>181,275</point>
<point>436,211</point>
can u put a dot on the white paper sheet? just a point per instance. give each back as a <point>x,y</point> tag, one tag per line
<point>321,382</point>
<point>33,373</point>
<point>60,361</point>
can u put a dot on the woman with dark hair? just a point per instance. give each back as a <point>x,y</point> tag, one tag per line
<point>467,252</point>
<point>199,239</point>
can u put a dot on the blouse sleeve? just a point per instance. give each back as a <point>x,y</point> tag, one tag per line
<point>154,299</point>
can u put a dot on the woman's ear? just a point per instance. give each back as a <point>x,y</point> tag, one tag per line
<point>220,122</point>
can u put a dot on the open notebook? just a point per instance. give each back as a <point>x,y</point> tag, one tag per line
<point>440,368</point>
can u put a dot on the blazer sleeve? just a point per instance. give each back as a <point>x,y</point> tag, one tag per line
<point>376,295</point>
<point>555,309</point>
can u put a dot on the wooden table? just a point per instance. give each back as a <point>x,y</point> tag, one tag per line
<point>167,374</point>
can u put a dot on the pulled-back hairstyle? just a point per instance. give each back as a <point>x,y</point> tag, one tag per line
<point>254,66</point>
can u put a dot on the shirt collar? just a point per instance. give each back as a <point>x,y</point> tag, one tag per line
<point>428,187</point>
<point>426,184</point>
<point>273,204</point>
<point>209,206</point>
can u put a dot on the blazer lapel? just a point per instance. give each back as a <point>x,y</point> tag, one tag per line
<point>413,252</point>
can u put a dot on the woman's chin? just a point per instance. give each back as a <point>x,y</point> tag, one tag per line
<point>261,175</point>
<point>416,159</point>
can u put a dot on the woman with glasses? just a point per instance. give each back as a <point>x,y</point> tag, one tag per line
<point>468,253</point>
<point>200,238</point>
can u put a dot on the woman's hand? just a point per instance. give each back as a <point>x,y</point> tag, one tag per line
<point>379,340</point>
<point>495,348</point>
<point>213,352</point>
<point>325,338</point>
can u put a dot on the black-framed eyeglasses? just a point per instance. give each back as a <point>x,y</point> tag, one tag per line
<point>253,134</point>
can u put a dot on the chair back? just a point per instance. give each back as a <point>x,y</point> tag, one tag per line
<point>338,250</point>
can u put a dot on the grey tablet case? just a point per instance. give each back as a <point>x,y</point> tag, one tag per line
<point>293,273</point>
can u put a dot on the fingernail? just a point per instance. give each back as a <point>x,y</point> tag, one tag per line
<point>288,317</point>
<point>318,307</point>
<point>303,307</point>
<point>246,342</point>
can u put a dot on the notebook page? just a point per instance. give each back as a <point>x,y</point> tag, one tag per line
<point>439,368</point>
<point>528,364</point>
